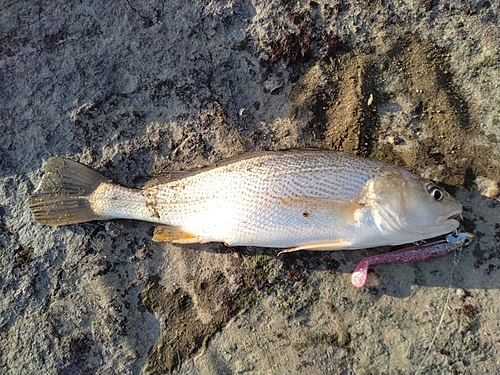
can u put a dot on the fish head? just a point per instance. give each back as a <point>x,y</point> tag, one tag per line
<point>411,207</point>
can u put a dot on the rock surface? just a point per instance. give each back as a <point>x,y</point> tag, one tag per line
<point>135,89</point>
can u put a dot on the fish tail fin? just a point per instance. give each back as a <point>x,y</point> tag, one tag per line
<point>63,195</point>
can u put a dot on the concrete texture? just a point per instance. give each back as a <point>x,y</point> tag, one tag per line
<point>136,89</point>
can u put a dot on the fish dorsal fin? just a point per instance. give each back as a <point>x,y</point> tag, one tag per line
<point>342,212</point>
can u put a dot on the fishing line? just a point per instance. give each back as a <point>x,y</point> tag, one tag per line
<point>457,254</point>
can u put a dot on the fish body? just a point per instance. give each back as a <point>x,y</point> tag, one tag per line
<point>297,199</point>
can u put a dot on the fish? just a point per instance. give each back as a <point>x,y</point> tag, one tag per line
<point>301,199</point>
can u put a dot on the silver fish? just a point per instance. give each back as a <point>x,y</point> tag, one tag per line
<point>295,199</point>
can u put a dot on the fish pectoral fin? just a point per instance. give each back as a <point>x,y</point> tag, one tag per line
<point>320,246</point>
<point>307,206</point>
<point>174,235</point>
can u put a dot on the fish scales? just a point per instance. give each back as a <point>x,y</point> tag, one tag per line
<point>304,199</point>
<point>245,202</point>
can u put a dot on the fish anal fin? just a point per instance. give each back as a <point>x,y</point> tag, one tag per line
<point>174,235</point>
<point>306,206</point>
<point>320,246</point>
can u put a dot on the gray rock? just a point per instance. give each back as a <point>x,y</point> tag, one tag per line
<point>136,89</point>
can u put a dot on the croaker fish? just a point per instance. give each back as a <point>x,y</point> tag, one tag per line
<point>295,199</point>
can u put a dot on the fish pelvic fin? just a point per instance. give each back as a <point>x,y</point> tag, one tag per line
<point>320,246</point>
<point>63,196</point>
<point>175,235</point>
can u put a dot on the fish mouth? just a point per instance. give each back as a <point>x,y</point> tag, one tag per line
<point>449,218</point>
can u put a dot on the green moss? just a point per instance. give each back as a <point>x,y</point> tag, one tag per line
<point>4,257</point>
<point>23,256</point>
<point>326,339</point>
<point>261,265</point>
<point>492,138</point>
<point>496,122</point>
<point>385,152</point>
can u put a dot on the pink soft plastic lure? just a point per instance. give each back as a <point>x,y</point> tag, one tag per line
<point>411,254</point>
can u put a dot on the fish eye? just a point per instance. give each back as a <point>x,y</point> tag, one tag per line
<point>435,192</point>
